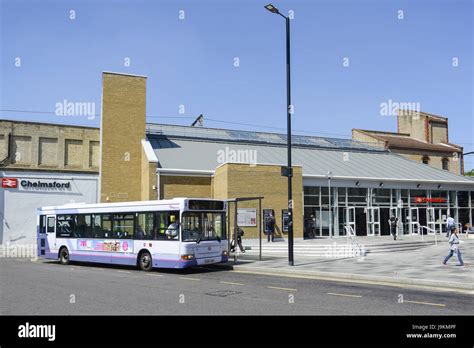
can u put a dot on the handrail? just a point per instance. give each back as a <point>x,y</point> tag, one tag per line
<point>427,229</point>
<point>355,245</point>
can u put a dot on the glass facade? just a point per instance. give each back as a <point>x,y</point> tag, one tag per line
<point>367,210</point>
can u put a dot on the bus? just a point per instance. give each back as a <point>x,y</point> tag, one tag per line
<point>175,233</point>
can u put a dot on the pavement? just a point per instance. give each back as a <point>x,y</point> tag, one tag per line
<point>409,261</point>
<point>48,288</point>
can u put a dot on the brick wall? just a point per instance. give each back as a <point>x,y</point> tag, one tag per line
<point>122,129</point>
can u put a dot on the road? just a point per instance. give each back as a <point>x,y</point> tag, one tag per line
<point>48,288</point>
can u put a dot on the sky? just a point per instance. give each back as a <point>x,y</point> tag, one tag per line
<point>225,59</point>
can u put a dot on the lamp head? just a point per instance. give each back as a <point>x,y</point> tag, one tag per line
<point>272,8</point>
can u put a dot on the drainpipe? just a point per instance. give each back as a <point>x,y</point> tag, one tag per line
<point>158,193</point>
<point>3,162</point>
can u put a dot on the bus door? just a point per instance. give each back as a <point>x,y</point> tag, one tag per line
<point>47,233</point>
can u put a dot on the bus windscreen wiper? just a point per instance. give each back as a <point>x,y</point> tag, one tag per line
<point>200,237</point>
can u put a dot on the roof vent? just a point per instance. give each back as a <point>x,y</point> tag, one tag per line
<point>198,122</point>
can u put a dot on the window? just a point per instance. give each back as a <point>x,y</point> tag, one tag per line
<point>146,227</point>
<point>97,226</point>
<point>84,226</point>
<point>107,225</point>
<point>357,196</point>
<point>426,159</point>
<point>445,163</point>
<point>203,226</point>
<point>50,228</point>
<point>42,224</point>
<point>168,225</point>
<point>65,226</point>
<point>381,196</point>
<point>123,226</point>
<point>341,195</point>
<point>311,195</point>
<point>463,198</point>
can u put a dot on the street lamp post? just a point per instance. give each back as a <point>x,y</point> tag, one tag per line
<point>329,176</point>
<point>289,169</point>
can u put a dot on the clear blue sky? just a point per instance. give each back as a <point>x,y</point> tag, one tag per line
<point>190,62</point>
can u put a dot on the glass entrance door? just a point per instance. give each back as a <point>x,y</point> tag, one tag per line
<point>414,219</point>
<point>431,220</point>
<point>349,214</point>
<point>373,221</point>
<point>395,212</point>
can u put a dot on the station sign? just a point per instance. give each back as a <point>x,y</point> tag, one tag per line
<point>29,184</point>
<point>429,200</point>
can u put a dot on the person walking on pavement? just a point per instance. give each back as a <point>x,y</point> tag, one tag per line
<point>449,225</point>
<point>312,225</point>
<point>393,223</point>
<point>454,248</point>
<point>240,233</point>
<point>271,227</point>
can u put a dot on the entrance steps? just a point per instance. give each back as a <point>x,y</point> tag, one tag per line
<point>338,246</point>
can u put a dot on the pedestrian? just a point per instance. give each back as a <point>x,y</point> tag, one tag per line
<point>454,248</point>
<point>271,227</point>
<point>450,224</point>
<point>311,225</point>
<point>240,233</point>
<point>393,223</point>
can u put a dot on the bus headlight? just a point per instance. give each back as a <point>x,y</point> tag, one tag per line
<point>187,257</point>
<point>225,253</point>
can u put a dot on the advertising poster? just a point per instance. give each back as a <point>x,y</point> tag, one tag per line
<point>247,217</point>
<point>113,245</point>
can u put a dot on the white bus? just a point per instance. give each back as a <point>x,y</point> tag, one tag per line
<point>176,233</point>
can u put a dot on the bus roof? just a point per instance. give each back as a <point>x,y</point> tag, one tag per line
<point>80,206</point>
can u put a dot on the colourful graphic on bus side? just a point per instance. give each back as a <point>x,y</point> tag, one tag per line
<point>119,246</point>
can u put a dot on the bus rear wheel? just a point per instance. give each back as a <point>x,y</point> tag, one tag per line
<point>144,261</point>
<point>64,256</point>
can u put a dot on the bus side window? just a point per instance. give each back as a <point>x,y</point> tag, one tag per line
<point>42,224</point>
<point>50,226</point>
<point>144,227</point>
<point>97,227</point>
<point>168,225</point>
<point>107,226</point>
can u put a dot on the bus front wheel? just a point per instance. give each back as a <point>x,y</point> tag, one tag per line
<point>64,256</point>
<point>144,261</point>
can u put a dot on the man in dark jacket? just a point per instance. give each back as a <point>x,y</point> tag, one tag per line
<point>393,222</point>
<point>271,227</point>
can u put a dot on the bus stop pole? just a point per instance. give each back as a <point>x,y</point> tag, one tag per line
<point>260,227</point>
<point>235,232</point>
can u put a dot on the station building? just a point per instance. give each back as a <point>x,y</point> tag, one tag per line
<point>336,182</point>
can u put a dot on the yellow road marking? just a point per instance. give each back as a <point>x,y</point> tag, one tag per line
<point>278,288</point>
<point>185,278</point>
<point>426,303</point>
<point>231,283</point>
<point>155,275</point>
<point>356,281</point>
<point>345,295</point>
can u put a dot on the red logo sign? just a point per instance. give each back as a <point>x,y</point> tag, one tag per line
<point>9,183</point>
<point>430,200</point>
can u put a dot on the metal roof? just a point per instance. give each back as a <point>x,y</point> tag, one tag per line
<point>197,154</point>
<point>232,135</point>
